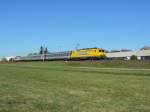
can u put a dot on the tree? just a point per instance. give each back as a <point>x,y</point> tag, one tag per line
<point>133,57</point>
<point>11,59</point>
<point>3,59</point>
<point>112,51</point>
<point>41,50</point>
<point>106,51</point>
<point>46,51</point>
<point>35,53</point>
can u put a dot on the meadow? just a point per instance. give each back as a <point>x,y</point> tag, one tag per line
<point>87,86</point>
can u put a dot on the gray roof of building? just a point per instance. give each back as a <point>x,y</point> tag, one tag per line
<point>128,54</point>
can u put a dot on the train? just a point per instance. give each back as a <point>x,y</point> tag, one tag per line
<point>79,54</point>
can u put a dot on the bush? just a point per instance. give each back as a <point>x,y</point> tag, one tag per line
<point>133,57</point>
<point>3,59</point>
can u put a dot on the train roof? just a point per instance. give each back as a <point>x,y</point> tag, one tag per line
<point>90,48</point>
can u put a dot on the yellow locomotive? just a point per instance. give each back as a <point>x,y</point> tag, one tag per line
<point>88,53</point>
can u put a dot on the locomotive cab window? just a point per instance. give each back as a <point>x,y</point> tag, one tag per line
<point>101,51</point>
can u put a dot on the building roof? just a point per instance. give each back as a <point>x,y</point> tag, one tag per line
<point>145,48</point>
<point>143,53</point>
<point>128,54</point>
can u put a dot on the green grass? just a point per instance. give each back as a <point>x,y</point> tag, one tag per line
<point>61,87</point>
<point>114,63</point>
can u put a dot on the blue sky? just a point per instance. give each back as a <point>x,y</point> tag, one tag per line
<point>25,25</point>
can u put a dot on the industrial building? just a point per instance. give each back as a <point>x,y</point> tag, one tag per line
<point>141,55</point>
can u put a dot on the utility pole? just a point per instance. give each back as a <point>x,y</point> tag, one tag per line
<point>43,57</point>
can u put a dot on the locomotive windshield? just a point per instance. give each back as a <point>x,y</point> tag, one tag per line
<point>101,51</point>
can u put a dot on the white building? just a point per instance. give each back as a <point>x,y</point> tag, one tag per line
<point>141,55</point>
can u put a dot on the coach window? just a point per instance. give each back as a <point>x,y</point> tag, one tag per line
<point>100,51</point>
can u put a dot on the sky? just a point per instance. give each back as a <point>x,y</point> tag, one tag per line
<point>61,25</point>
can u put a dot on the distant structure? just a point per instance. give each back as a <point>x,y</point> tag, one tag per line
<point>125,50</point>
<point>122,50</point>
<point>145,48</point>
<point>143,54</point>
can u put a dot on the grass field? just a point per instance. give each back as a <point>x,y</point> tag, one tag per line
<point>75,87</point>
